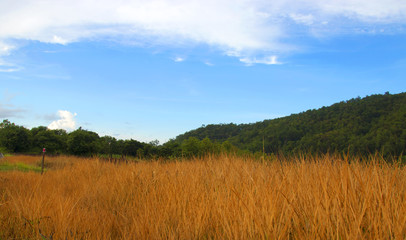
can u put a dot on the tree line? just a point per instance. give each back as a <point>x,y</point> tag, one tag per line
<point>81,142</point>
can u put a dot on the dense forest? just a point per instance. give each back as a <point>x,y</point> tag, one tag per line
<point>376,123</point>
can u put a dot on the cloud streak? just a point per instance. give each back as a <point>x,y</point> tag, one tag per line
<point>271,60</point>
<point>9,110</point>
<point>247,27</point>
<point>179,59</point>
<point>8,69</point>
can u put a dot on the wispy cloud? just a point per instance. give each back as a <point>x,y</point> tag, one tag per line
<point>306,19</point>
<point>179,59</point>
<point>271,60</point>
<point>9,69</point>
<point>66,121</point>
<point>5,50</point>
<point>53,77</point>
<point>243,26</point>
<point>9,110</point>
<point>208,63</point>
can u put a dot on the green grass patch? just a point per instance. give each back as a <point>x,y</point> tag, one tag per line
<point>5,166</point>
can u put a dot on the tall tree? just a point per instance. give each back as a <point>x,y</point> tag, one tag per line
<point>53,140</point>
<point>82,142</point>
<point>14,138</point>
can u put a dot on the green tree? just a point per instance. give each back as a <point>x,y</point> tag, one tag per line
<point>131,147</point>
<point>191,147</point>
<point>82,142</point>
<point>171,149</point>
<point>53,140</point>
<point>226,146</point>
<point>107,145</point>
<point>206,146</point>
<point>14,138</point>
<point>6,123</point>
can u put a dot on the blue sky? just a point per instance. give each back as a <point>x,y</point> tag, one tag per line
<point>154,69</point>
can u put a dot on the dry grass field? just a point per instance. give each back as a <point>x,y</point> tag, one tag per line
<point>224,197</point>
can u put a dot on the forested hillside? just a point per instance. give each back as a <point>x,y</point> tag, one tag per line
<point>361,126</point>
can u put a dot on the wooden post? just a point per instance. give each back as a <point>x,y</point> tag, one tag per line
<point>43,159</point>
<point>263,148</point>
<point>110,154</point>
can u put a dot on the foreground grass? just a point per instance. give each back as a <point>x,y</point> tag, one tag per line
<point>6,166</point>
<point>19,163</point>
<point>212,198</point>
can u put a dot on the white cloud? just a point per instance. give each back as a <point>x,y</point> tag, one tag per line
<point>208,63</point>
<point>270,60</point>
<point>245,27</point>
<point>302,19</point>
<point>226,24</point>
<point>9,69</point>
<point>5,49</point>
<point>366,10</point>
<point>59,40</point>
<point>179,59</point>
<point>66,121</point>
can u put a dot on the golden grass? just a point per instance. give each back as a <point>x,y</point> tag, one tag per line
<point>211,198</point>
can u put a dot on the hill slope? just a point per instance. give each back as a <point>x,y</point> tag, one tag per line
<point>373,123</point>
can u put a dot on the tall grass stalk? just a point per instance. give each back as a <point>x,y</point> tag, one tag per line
<point>223,197</point>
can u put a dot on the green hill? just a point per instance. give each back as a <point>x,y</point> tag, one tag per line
<point>360,125</point>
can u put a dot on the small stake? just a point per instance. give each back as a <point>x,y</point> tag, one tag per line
<point>43,158</point>
<point>263,148</point>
